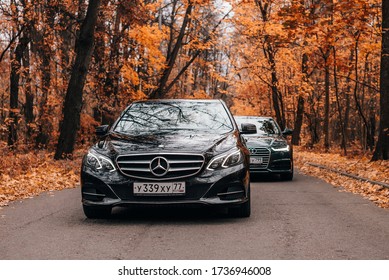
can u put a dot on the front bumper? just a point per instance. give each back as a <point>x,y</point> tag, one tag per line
<point>276,167</point>
<point>227,187</point>
<point>277,163</point>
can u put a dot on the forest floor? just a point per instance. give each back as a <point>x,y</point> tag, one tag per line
<point>355,165</point>
<point>27,175</point>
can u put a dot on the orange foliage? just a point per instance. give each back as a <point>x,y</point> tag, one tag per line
<point>27,175</point>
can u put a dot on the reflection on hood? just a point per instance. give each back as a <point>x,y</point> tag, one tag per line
<point>187,142</point>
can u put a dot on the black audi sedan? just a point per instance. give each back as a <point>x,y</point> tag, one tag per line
<point>168,152</point>
<point>270,152</point>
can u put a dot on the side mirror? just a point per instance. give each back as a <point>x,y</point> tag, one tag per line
<point>287,131</point>
<point>102,130</point>
<point>248,128</point>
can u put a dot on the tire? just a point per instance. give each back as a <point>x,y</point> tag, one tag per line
<point>243,210</point>
<point>286,176</point>
<point>97,212</point>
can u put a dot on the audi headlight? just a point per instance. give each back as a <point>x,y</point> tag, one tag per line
<point>226,160</point>
<point>280,147</point>
<point>99,162</point>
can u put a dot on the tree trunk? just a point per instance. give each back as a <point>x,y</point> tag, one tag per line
<point>112,73</point>
<point>382,146</point>
<point>343,132</point>
<point>29,96</point>
<point>16,60</point>
<point>161,90</point>
<point>300,105</point>
<point>42,138</point>
<point>327,105</point>
<point>73,100</point>
<point>299,121</point>
<point>276,95</point>
<point>46,55</point>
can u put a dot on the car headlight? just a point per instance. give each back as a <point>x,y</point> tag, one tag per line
<point>99,162</point>
<point>280,147</point>
<point>226,160</point>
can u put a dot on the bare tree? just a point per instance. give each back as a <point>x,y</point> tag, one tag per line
<point>382,146</point>
<point>73,100</point>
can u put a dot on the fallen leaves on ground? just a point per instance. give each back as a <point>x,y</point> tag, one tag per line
<point>27,175</point>
<point>358,165</point>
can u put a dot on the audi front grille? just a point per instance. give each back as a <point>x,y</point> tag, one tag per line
<point>261,153</point>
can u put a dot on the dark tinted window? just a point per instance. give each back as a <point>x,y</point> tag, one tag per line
<point>264,126</point>
<point>152,117</point>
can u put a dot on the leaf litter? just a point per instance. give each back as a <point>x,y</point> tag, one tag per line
<point>27,175</point>
<point>357,165</point>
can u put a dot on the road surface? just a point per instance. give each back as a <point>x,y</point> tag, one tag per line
<point>303,219</point>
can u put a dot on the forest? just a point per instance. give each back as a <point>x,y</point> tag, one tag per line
<point>319,67</point>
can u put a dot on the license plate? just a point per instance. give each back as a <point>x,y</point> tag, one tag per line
<point>161,188</point>
<point>256,160</point>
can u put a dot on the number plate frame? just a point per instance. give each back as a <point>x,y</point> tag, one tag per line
<point>159,188</point>
<point>256,160</point>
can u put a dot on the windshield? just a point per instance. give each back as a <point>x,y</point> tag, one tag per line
<point>162,117</point>
<point>265,127</point>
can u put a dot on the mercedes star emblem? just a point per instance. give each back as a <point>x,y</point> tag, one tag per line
<point>159,166</point>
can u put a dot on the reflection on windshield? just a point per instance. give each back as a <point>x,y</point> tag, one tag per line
<point>162,117</point>
<point>264,127</point>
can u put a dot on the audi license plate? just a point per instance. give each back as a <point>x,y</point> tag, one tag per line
<point>256,160</point>
<point>161,188</point>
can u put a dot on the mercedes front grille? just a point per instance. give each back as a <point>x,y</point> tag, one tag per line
<point>164,166</point>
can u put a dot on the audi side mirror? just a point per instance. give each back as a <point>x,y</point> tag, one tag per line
<point>248,128</point>
<point>102,130</point>
<point>287,132</point>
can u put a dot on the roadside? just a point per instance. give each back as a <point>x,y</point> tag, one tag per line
<point>357,165</point>
<point>27,175</point>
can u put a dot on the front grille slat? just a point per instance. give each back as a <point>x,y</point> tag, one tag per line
<point>173,169</point>
<point>185,161</point>
<point>135,162</point>
<point>180,165</point>
<point>136,169</point>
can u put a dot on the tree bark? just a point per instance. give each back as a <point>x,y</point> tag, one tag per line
<point>343,132</point>
<point>382,147</point>
<point>300,105</point>
<point>16,61</point>
<point>327,103</point>
<point>45,53</point>
<point>161,90</point>
<point>73,100</point>
<point>29,96</point>
<point>299,121</point>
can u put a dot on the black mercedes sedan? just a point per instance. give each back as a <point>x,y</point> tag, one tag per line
<point>270,152</point>
<point>168,152</point>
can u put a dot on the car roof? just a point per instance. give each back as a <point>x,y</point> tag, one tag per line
<point>179,100</point>
<point>253,117</point>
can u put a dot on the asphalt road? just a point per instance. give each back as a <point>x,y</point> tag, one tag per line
<point>303,219</point>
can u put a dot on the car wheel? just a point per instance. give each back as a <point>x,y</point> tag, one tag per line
<point>243,210</point>
<point>97,212</point>
<point>287,176</point>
